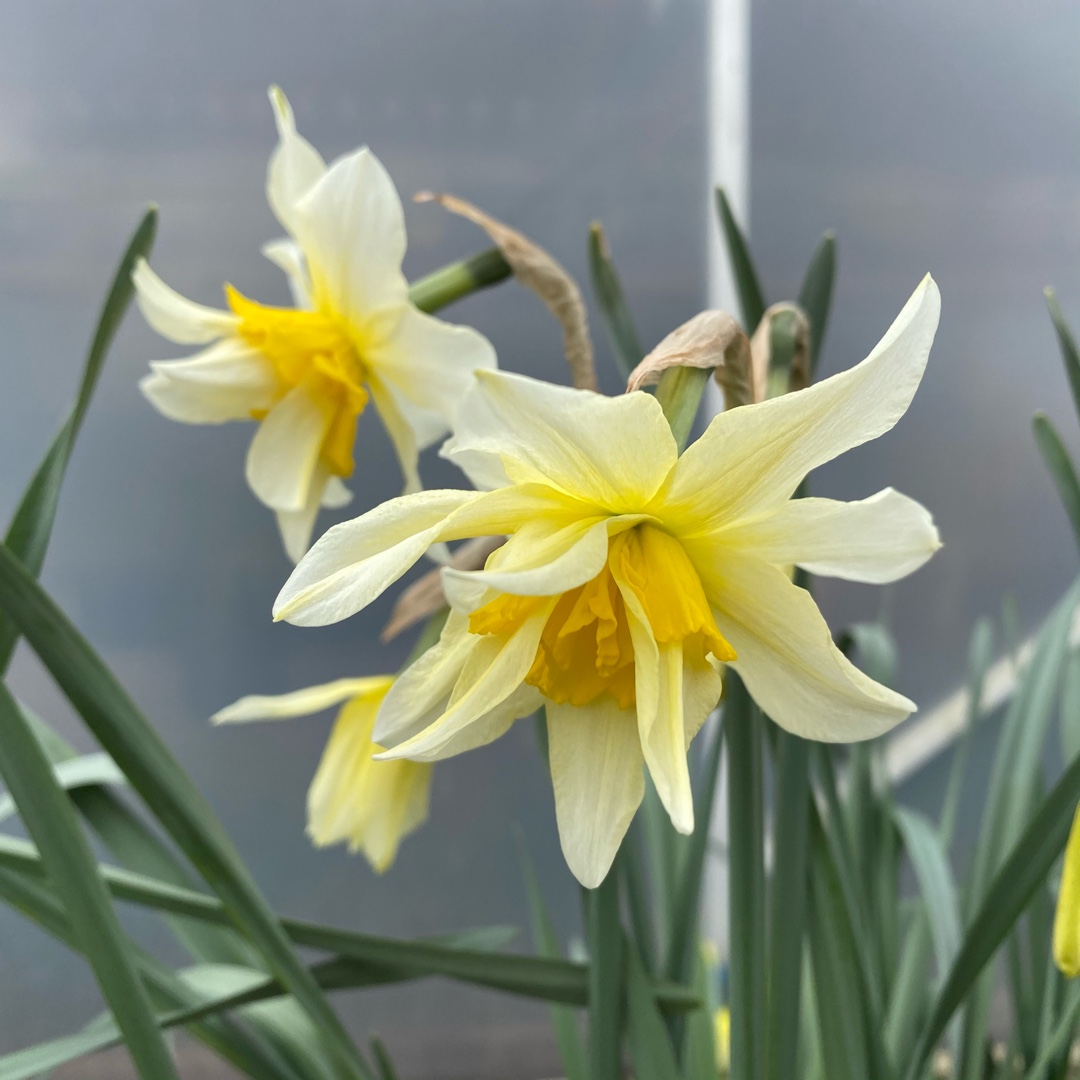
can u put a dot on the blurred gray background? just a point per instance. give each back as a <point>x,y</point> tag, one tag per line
<point>932,136</point>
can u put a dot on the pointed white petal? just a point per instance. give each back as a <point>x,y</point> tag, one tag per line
<point>296,526</point>
<point>787,658</point>
<point>295,165</point>
<point>351,228</point>
<point>402,434</point>
<point>336,495</point>
<point>876,540</point>
<point>614,452</point>
<point>751,460</point>
<point>174,316</point>
<point>304,702</point>
<point>284,455</point>
<point>596,771</point>
<point>227,381</point>
<point>287,255</point>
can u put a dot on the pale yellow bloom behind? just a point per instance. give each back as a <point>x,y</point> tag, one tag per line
<point>369,805</point>
<point>1067,916</point>
<point>631,574</point>
<point>306,373</point>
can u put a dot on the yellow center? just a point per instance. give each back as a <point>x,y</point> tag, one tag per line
<point>585,648</point>
<point>312,348</point>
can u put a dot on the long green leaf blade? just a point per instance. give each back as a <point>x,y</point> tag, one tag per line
<point>614,311</point>
<point>1070,355</point>
<point>70,863</point>
<point>815,294</point>
<point>650,1047</point>
<point>1059,465</point>
<point>751,298</point>
<point>606,967</point>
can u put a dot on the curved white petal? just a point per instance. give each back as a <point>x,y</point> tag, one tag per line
<point>286,255</point>
<point>296,526</point>
<point>284,455</point>
<point>787,658</point>
<point>752,459</point>
<point>227,381</point>
<point>295,165</point>
<point>402,434</point>
<point>174,316</point>
<point>430,363</point>
<point>494,669</point>
<point>351,228</point>
<point>876,540</point>
<point>596,771</point>
<point>336,495</point>
<point>304,702</point>
<point>614,452</point>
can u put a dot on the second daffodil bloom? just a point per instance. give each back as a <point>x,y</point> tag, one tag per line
<point>1067,916</point>
<point>631,574</point>
<point>306,373</point>
<point>368,804</point>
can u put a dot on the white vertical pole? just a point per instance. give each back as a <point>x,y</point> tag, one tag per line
<point>728,138</point>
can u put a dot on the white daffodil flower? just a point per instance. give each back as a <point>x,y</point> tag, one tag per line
<point>631,574</point>
<point>306,373</point>
<point>369,804</point>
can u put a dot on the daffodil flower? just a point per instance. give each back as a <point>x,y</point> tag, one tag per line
<point>631,575</point>
<point>1067,916</point>
<point>306,373</point>
<point>368,804</point>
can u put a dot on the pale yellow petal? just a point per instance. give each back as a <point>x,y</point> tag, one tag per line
<point>295,526</point>
<point>787,658</point>
<point>596,771</point>
<point>351,228</point>
<point>227,381</point>
<point>751,459</point>
<point>304,702</point>
<point>402,432</point>
<point>876,540</point>
<point>295,165</point>
<point>336,495</point>
<point>1067,916</point>
<point>284,455</point>
<point>286,255</point>
<point>614,452</point>
<point>174,316</point>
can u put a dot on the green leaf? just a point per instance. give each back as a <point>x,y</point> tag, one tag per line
<point>787,904</point>
<point>606,965</point>
<point>30,528</point>
<point>50,820</point>
<point>1030,859</point>
<point>1058,1041</point>
<point>85,771</point>
<point>614,312</point>
<point>571,1047</point>
<point>751,298</point>
<point>650,1047</point>
<point>459,279</point>
<point>382,1059</point>
<point>630,862</point>
<point>1069,353</point>
<point>157,776</point>
<point>908,999</point>
<point>815,294</point>
<point>1060,467</point>
<point>699,1056</point>
<point>1069,713</point>
<point>746,855</point>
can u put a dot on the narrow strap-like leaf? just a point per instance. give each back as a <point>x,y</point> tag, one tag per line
<point>1059,465</point>
<point>815,293</point>
<point>1070,355</point>
<point>606,981</point>
<point>751,299</point>
<point>650,1048</point>
<point>614,311</point>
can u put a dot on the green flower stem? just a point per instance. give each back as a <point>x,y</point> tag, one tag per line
<point>679,393</point>
<point>459,279</point>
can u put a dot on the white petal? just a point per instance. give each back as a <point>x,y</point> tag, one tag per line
<point>402,434</point>
<point>877,540</point>
<point>351,228</point>
<point>174,316</point>
<point>430,363</point>
<point>752,459</point>
<point>295,165</point>
<point>284,455</point>
<point>287,255</point>
<point>614,452</point>
<point>787,658</point>
<point>296,526</point>
<point>596,771</point>
<point>313,699</point>
<point>336,495</point>
<point>228,381</point>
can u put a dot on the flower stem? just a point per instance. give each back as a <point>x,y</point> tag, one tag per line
<point>679,392</point>
<point>441,288</point>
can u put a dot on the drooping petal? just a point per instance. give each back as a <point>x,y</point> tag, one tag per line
<point>351,228</point>
<point>1067,915</point>
<point>296,526</point>
<point>295,165</point>
<point>402,434</point>
<point>284,455</point>
<point>428,362</point>
<point>596,771</point>
<point>174,316</point>
<point>614,452</point>
<point>227,381</point>
<point>336,495</point>
<point>876,540</point>
<point>287,255</point>
<point>304,702</point>
<point>752,459</point>
<point>787,658</point>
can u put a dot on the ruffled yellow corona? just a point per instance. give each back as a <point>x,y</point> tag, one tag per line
<point>306,373</point>
<point>631,575</point>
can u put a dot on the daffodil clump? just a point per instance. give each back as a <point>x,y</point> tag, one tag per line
<point>305,373</point>
<point>631,576</point>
